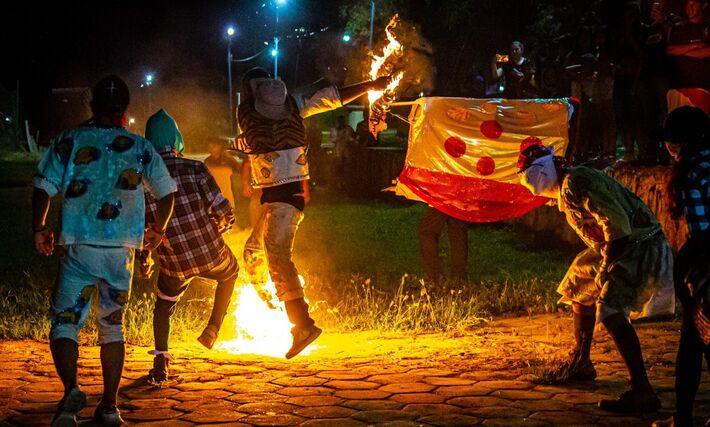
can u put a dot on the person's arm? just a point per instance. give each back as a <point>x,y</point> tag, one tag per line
<point>218,207</point>
<point>496,72</point>
<point>43,236</point>
<point>154,234</point>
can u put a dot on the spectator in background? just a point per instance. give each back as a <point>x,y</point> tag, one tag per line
<point>342,136</point>
<point>689,54</point>
<point>251,193</point>
<point>430,230</point>
<point>316,154</point>
<point>628,68</point>
<point>362,131</point>
<point>518,72</point>
<point>222,166</point>
<point>653,84</point>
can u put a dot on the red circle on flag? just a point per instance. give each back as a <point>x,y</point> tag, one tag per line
<point>486,165</point>
<point>491,129</point>
<point>455,146</point>
<point>531,140</point>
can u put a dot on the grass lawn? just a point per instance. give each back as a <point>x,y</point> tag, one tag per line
<point>360,260</point>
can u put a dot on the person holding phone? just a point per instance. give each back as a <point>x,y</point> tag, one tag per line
<point>517,71</point>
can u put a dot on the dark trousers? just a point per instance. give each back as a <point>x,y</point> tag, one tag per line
<point>430,230</point>
<point>170,289</point>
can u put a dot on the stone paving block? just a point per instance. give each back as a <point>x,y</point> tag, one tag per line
<point>450,420</point>
<point>214,416</point>
<point>506,385</point>
<point>372,405</point>
<point>168,423</point>
<point>341,375</point>
<point>362,394</point>
<point>489,375</point>
<point>52,396</point>
<point>273,420</point>
<point>382,416</point>
<point>422,409</point>
<point>583,397</point>
<point>447,381</point>
<point>146,392</point>
<point>352,385</point>
<point>324,412</point>
<point>254,397</point>
<point>514,422</point>
<point>201,394</point>
<point>34,420</point>
<point>408,388</point>
<point>521,394</point>
<point>564,417</point>
<point>253,387</point>
<point>395,378</point>
<point>542,405</point>
<point>305,391</point>
<point>149,403</point>
<point>309,401</point>
<point>300,381</point>
<point>622,421</point>
<point>431,372</point>
<point>419,398</point>
<point>152,414</point>
<point>267,408</point>
<point>497,412</point>
<point>196,386</point>
<point>335,422</point>
<point>462,390</point>
<point>206,405</point>
<point>478,401</point>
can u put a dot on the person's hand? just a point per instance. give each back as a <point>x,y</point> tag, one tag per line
<point>223,224</point>
<point>147,264</point>
<point>247,191</point>
<point>702,324</point>
<point>152,238</point>
<point>381,82</point>
<point>44,241</point>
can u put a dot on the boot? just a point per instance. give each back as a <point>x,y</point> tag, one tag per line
<point>159,374</point>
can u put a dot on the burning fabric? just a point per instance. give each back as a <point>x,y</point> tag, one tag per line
<point>384,65</point>
<point>462,153</point>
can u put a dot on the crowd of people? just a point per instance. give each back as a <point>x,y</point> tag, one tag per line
<point>627,74</point>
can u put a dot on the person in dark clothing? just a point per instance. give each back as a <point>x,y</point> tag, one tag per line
<point>430,230</point>
<point>687,136</point>
<point>689,49</point>
<point>274,139</point>
<point>518,71</point>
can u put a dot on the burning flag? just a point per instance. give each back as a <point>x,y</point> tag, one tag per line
<point>384,66</point>
<point>463,152</point>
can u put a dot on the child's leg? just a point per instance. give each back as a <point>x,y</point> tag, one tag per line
<point>281,225</point>
<point>225,273</point>
<point>70,308</point>
<point>254,256</point>
<point>167,295</point>
<point>114,291</point>
<point>688,369</point>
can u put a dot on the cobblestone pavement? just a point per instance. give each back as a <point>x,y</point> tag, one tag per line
<point>483,376</point>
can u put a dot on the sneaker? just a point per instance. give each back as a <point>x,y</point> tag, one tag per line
<point>208,336</point>
<point>108,415</point>
<point>633,400</point>
<point>159,374</point>
<point>70,404</point>
<point>575,368</point>
<point>301,338</point>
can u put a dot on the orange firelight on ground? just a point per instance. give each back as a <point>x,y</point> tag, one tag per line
<point>260,329</point>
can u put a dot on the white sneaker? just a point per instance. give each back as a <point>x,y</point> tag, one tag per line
<point>70,404</point>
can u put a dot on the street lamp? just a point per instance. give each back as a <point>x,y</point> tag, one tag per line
<point>275,50</point>
<point>230,33</point>
<point>346,38</point>
<point>148,80</point>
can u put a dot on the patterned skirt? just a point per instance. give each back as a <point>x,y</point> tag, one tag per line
<point>639,283</point>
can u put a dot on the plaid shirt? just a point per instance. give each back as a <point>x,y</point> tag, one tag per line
<point>696,194</point>
<point>192,245</point>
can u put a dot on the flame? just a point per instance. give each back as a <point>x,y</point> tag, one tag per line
<point>259,328</point>
<point>380,67</point>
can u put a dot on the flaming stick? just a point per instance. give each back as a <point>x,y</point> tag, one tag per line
<point>380,100</point>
